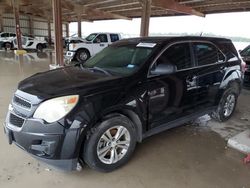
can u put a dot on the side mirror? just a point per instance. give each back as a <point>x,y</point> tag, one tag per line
<point>164,69</point>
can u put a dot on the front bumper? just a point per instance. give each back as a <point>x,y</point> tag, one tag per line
<point>70,55</point>
<point>50,143</point>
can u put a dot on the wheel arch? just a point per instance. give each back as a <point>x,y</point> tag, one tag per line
<point>132,116</point>
<point>232,80</point>
<point>83,49</point>
<point>7,42</point>
<point>39,44</point>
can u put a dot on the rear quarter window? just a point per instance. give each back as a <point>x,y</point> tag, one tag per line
<point>228,49</point>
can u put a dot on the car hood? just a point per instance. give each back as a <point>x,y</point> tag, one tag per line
<point>67,81</point>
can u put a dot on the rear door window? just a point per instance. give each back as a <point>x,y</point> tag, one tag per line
<point>114,37</point>
<point>177,54</point>
<point>206,54</point>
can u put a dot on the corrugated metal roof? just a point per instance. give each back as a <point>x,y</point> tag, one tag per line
<point>90,10</point>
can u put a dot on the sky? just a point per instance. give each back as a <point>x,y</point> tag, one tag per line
<point>227,24</point>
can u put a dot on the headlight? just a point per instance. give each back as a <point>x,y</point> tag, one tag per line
<point>54,109</point>
<point>72,46</point>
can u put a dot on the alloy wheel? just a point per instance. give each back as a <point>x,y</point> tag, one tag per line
<point>113,145</point>
<point>229,105</point>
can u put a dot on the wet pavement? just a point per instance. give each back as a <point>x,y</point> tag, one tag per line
<point>191,156</point>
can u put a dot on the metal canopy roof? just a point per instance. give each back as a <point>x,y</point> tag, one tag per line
<point>90,10</point>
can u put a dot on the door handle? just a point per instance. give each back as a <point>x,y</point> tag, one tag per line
<point>101,45</point>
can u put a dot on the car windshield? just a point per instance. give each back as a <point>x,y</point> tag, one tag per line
<point>120,60</point>
<point>245,52</point>
<point>91,37</point>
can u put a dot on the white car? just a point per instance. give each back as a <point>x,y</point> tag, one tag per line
<point>30,43</point>
<point>94,43</point>
<point>6,39</point>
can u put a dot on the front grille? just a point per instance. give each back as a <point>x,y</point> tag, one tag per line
<point>16,120</point>
<point>21,102</point>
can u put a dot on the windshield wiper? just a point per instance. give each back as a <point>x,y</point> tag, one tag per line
<point>81,65</point>
<point>100,70</point>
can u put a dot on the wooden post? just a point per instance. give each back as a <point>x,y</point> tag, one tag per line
<point>146,13</point>
<point>57,15</point>
<point>31,26</point>
<point>15,4</point>
<point>49,33</point>
<point>67,29</point>
<point>79,24</point>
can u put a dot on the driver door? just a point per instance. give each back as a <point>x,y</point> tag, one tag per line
<point>99,43</point>
<point>173,95</point>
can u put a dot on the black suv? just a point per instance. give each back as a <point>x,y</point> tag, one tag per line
<point>245,54</point>
<point>96,112</point>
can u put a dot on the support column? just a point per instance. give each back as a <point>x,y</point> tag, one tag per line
<point>79,24</point>
<point>15,4</point>
<point>1,23</point>
<point>146,13</point>
<point>49,33</point>
<point>57,15</point>
<point>67,29</point>
<point>31,26</point>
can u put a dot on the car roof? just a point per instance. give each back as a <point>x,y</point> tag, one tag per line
<point>169,39</point>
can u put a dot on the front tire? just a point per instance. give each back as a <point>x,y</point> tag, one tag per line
<point>110,145</point>
<point>82,55</point>
<point>7,46</point>
<point>226,106</point>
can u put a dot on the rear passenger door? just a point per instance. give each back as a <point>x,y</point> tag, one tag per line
<point>210,65</point>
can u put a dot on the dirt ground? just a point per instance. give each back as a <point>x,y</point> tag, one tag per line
<point>192,156</point>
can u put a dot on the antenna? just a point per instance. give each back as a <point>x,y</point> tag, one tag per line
<point>203,26</point>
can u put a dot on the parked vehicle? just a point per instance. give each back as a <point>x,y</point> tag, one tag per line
<point>245,54</point>
<point>6,40</point>
<point>94,43</point>
<point>98,111</point>
<point>9,41</point>
<point>30,43</point>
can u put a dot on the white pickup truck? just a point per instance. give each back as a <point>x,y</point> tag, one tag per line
<point>94,43</point>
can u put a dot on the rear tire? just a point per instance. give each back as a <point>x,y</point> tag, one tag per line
<point>39,47</point>
<point>110,145</point>
<point>226,106</point>
<point>82,55</point>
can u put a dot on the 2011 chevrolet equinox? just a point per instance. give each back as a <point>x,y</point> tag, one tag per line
<point>96,112</point>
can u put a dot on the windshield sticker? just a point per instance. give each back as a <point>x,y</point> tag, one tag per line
<point>146,45</point>
<point>130,66</point>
